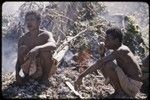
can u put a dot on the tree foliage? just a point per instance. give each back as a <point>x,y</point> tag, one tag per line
<point>68,19</point>
<point>133,37</point>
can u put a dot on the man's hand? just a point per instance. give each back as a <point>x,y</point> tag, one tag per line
<point>77,83</point>
<point>102,48</point>
<point>32,53</point>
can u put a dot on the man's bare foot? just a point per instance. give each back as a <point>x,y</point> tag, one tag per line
<point>118,94</point>
<point>25,79</point>
<point>46,82</point>
<point>19,81</point>
<point>22,80</point>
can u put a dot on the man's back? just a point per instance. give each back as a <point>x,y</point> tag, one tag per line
<point>126,60</point>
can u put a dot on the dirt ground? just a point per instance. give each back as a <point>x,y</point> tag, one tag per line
<point>93,86</point>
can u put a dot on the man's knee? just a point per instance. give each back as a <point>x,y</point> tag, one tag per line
<point>110,72</point>
<point>45,55</point>
<point>110,66</point>
<point>46,60</point>
<point>108,69</point>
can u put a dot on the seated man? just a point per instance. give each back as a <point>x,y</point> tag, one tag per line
<point>125,74</point>
<point>35,50</point>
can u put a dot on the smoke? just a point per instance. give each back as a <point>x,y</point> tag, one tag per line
<point>9,55</point>
<point>139,10</point>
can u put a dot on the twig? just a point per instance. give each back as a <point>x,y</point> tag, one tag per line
<point>74,91</point>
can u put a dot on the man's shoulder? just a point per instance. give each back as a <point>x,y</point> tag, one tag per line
<point>24,36</point>
<point>124,49</point>
<point>45,32</point>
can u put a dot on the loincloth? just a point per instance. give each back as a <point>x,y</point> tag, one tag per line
<point>130,86</point>
<point>32,68</point>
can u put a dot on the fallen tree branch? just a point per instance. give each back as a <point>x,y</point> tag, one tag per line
<point>73,90</point>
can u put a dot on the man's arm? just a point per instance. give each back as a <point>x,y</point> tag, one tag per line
<point>21,50</point>
<point>92,68</point>
<point>98,64</point>
<point>18,64</point>
<point>49,45</point>
<point>18,67</point>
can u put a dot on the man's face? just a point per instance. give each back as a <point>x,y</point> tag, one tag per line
<point>31,22</point>
<point>109,41</point>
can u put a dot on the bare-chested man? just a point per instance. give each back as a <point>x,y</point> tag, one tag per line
<point>35,51</point>
<point>125,75</point>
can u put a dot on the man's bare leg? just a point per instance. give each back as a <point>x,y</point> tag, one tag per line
<point>53,67</point>
<point>22,50</point>
<point>46,64</point>
<point>109,71</point>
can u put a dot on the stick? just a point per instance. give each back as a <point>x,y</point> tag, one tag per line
<point>64,46</point>
<point>72,38</point>
<point>72,88</point>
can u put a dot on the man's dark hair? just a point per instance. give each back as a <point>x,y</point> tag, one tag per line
<point>36,14</point>
<point>115,32</point>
